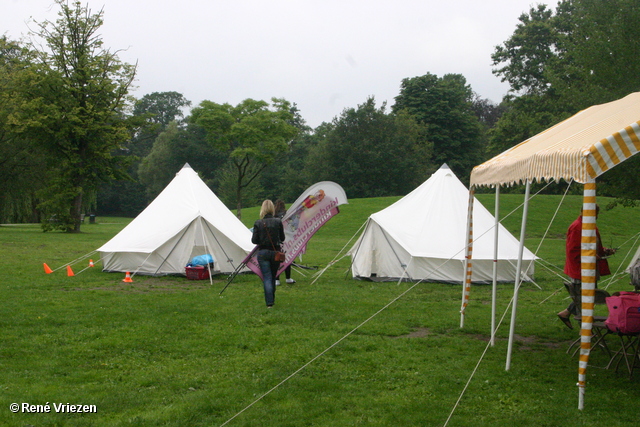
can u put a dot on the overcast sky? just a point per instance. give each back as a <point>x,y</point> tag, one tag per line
<point>323,55</point>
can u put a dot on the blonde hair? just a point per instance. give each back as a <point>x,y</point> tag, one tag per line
<point>267,208</point>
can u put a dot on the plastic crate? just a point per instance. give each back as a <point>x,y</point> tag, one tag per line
<point>197,273</point>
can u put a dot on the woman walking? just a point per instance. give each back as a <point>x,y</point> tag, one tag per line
<point>268,233</point>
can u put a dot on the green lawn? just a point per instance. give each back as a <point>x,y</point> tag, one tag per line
<point>173,352</point>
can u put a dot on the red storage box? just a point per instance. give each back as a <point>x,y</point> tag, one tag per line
<point>197,273</point>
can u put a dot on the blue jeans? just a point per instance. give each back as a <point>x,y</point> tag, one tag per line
<point>269,268</point>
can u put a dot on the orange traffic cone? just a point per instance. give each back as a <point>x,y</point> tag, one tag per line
<point>47,269</point>
<point>91,263</point>
<point>127,278</point>
<point>69,271</point>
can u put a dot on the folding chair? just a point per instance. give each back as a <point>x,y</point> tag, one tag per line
<point>629,352</point>
<point>629,341</point>
<point>599,329</point>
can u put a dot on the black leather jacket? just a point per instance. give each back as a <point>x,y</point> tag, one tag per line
<point>275,230</point>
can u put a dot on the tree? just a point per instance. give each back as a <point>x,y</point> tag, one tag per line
<point>523,117</point>
<point>623,183</point>
<point>286,178</point>
<point>558,64</point>
<point>525,61</point>
<point>22,169</point>
<point>526,55</point>
<point>75,110</point>
<point>152,114</point>
<point>171,150</point>
<point>251,133</point>
<point>584,54</point>
<point>159,109</point>
<point>599,57</point>
<point>486,111</point>
<point>226,184</point>
<point>371,153</point>
<point>445,106</point>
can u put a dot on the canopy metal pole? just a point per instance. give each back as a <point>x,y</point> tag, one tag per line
<point>207,249</point>
<point>523,230</point>
<point>494,290</point>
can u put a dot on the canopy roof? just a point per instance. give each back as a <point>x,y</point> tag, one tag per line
<point>581,148</point>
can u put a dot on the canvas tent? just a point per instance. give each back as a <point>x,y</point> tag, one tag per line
<point>185,220</point>
<point>634,269</point>
<point>423,236</point>
<point>634,259</point>
<point>581,148</point>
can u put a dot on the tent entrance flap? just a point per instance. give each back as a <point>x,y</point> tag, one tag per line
<point>378,255</point>
<point>225,259</point>
<point>172,249</point>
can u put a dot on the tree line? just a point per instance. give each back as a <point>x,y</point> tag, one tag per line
<point>73,141</point>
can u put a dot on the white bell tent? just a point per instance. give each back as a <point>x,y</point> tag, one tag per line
<point>633,270</point>
<point>423,237</point>
<point>185,220</point>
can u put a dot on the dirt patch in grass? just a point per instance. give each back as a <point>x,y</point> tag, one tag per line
<point>418,333</point>
<point>527,343</point>
<point>158,285</point>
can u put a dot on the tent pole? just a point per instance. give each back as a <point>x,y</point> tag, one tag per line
<point>494,289</point>
<point>207,249</point>
<point>514,307</point>
<point>588,267</point>
<point>468,265</point>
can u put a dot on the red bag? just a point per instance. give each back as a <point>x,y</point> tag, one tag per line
<point>624,313</point>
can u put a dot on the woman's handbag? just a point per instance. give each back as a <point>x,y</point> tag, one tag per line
<point>278,256</point>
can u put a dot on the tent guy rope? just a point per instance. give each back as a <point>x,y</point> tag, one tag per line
<point>402,294</point>
<point>321,353</point>
<point>473,373</point>
<point>75,261</point>
<point>335,258</point>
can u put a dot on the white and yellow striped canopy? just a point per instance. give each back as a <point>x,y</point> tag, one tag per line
<point>581,148</point>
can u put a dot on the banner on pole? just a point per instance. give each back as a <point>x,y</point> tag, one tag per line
<point>317,205</point>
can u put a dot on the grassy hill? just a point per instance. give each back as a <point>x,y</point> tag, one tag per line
<point>340,352</point>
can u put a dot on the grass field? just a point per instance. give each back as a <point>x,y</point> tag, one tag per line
<point>340,352</point>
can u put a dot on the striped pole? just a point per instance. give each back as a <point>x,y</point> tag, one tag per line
<point>468,266</point>
<point>588,272</point>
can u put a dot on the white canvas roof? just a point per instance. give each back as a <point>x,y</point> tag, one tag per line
<point>581,148</point>
<point>186,219</point>
<point>425,232</point>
